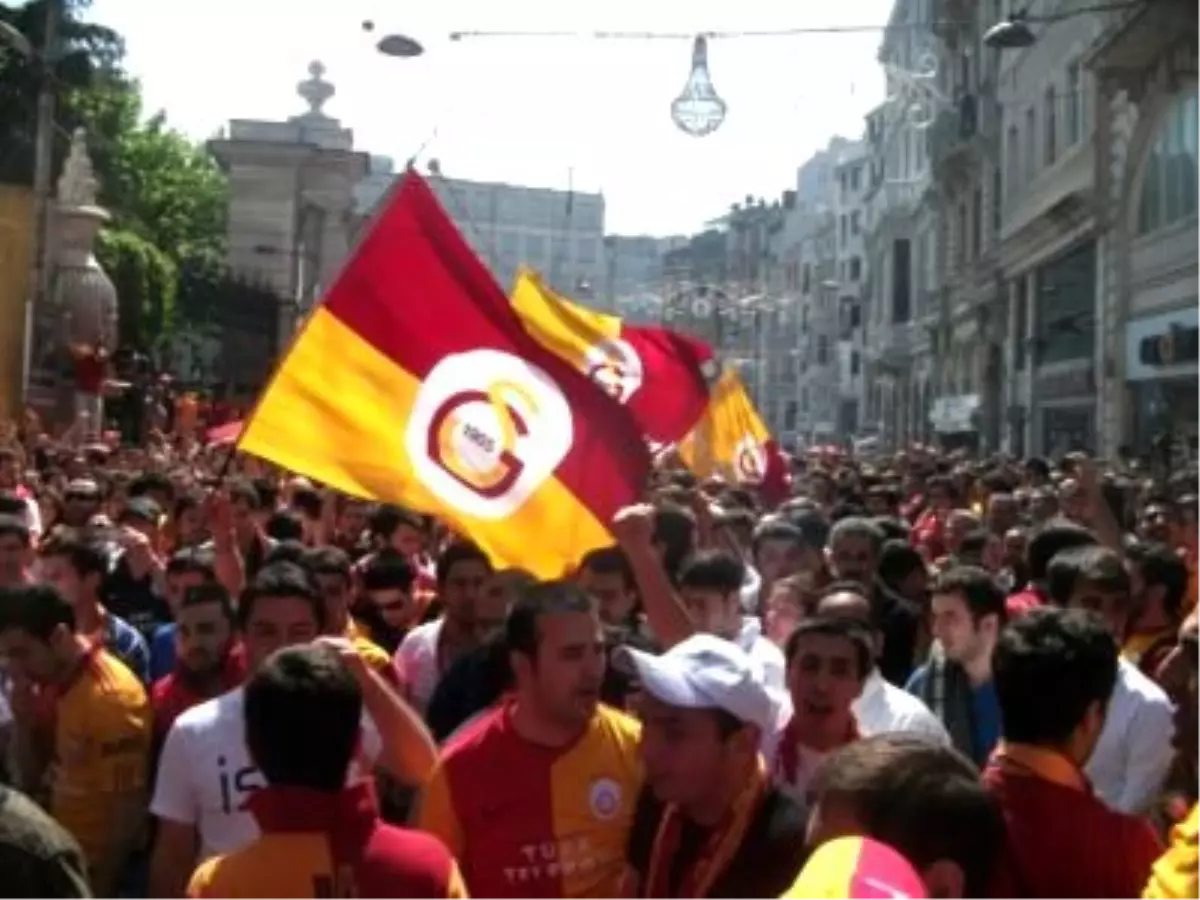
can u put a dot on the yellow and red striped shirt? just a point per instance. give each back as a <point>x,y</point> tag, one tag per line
<point>532,821</point>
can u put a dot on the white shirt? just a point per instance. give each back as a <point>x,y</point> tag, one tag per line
<point>1130,762</point>
<point>205,774</point>
<point>764,652</point>
<point>416,662</point>
<point>883,708</point>
<point>750,590</point>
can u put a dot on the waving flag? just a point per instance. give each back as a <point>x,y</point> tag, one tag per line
<point>658,374</point>
<point>731,440</point>
<point>414,383</point>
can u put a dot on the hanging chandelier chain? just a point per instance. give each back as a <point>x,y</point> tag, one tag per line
<point>619,35</point>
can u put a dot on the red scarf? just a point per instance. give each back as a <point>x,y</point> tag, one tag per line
<point>719,847</point>
<point>787,754</point>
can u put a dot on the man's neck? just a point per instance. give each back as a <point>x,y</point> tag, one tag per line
<point>71,660</point>
<point>205,683</point>
<point>89,616</point>
<point>1151,621</point>
<point>528,722</point>
<point>826,736</point>
<point>708,811</point>
<point>978,669</point>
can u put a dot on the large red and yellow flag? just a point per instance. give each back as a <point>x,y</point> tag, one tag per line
<point>660,375</point>
<point>731,441</point>
<point>414,383</point>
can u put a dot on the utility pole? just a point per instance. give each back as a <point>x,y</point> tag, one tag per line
<point>37,290</point>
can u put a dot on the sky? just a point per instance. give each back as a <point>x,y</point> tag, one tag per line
<point>543,112</point>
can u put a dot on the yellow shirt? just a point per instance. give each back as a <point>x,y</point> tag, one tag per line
<point>1175,873</point>
<point>101,750</point>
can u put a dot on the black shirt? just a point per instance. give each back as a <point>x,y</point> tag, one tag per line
<point>766,864</point>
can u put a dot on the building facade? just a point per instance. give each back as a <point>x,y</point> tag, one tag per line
<point>853,175</point>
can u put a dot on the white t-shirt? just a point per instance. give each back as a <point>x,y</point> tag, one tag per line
<point>416,662</point>
<point>883,708</point>
<point>205,774</point>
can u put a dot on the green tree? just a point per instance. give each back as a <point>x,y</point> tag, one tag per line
<point>146,281</point>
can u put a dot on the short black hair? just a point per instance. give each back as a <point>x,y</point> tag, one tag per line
<point>546,598</point>
<point>851,629</point>
<point>1049,667</point>
<point>1050,540</point>
<point>856,526</point>
<point>37,609</point>
<point>11,525</point>
<point>713,570</point>
<point>285,525</point>
<point>210,592</point>
<point>1160,566</point>
<point>281,579</point>
<point>384,520</point>
<point>327,560</point>
<point>922,798</point>
<point>456,552</point>
<point>609,561</point>
<point>307,502</point>
<point>1093,564</point>
<point>194,560</point>
<point>776,530</point>
<point>289,551</point>
<point>387,570</point>
<point>675,532</point>
<point>84,556</point>
<point>897,561</point>
<point>978,589</point>
<point>303,712</point>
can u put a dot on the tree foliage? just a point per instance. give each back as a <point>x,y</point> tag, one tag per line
<point>146,281</point>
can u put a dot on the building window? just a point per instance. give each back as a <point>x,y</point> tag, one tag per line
<point>1030,143</point>
<point>855,178</point>
<point>977,223</point>
<point>1065,307</point>
<point>1169,181</point>
<point>1021,326</point>
<point>1050,125</point>
<point>997,206</point>
<point>843,223</point>
<point>962,233</point>
<point>855,268</point>
<point>822,350</point>
<point>806,279</point>
<point>1012,157</point>
<point>855,362</point>
<point>1074,102</point>
<point>855,222</point>
<point>901,281</point>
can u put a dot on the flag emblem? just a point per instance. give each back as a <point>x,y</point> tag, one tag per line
<point>486,447</point>
<point>615,367</point>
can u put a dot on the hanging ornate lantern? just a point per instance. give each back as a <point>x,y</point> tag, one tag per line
<point>698,111</point>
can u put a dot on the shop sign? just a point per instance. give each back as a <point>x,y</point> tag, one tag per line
<point>1163,346</point>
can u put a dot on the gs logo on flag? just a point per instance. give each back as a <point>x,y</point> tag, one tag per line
<point>615,366</point>
<point>750,459</point>
<point>486,430</point>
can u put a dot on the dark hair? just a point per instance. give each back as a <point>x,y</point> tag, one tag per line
<point>856,526</point>
<point>609,561</point>
<point>978,590</point>
<point>245,491</point>
<point>1092,564</point>
<point>1160,566</point>
<point>281,579</point>
<point>302,711</point>
<point>1050,540</point>
<point>288,551</point>
<point>85,557</point>
<point>14,526</point>
<point>1049,667</point>
<point>853,630</point>
<point>210,592</point>
<point>618,683</point>
<point>37,609</point>
<point>713,570</point>
<point>12,506</point>
<point>547,598</point>
<point>388,570</point>
<point>191,559</point>
<point>327,561</point>
<point>922,798</point>
<point>185,502</point>
<point>812,525</point>
<point>897,560</point>
<point>973,545</point>
<point>285,525</point>
<point>307,501</point>
<point>891,528</point>
<point>384,521</point>
<point>459,552</point>
<point>675,532</point>
<point>150,483</point>
<point>776,531</point>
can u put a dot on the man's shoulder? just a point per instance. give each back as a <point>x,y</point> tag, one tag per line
<point>414,853</point>
<point>1138,686</point>
<point>107,680</point>
<point>214,713</point>
<point>28,828</point>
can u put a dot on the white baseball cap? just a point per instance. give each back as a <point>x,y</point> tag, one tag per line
<point>704,672</point>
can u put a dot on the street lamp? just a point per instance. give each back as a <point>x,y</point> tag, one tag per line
<point>1013,33</point>
<point>397,45</point>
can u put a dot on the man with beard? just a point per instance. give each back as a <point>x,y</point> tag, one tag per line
<point>205,665</point>
<point>711,823</point>
<point>536,798</point>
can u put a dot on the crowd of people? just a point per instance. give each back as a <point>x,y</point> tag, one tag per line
<point>921,674</point>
